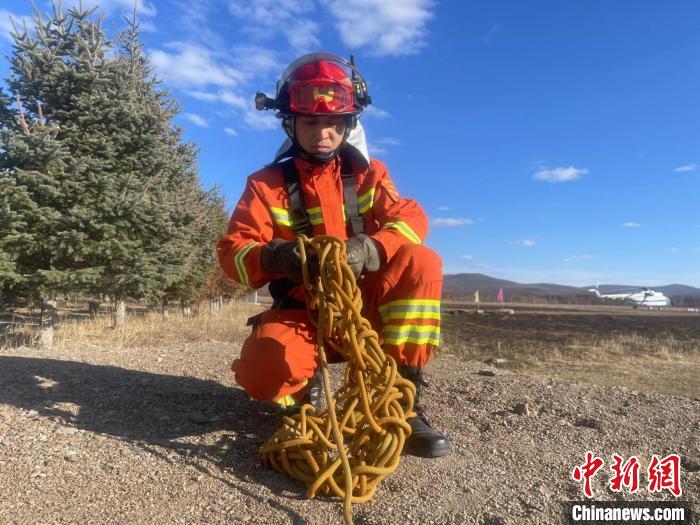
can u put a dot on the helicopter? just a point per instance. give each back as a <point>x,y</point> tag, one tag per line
<point>643,297</point>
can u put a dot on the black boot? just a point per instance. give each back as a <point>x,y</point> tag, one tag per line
<point>315,391</point>
<point>312,396</point>
<point>424,440</point>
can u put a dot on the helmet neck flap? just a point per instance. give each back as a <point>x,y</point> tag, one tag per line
<point>354,145</point>
<point>289,126</point>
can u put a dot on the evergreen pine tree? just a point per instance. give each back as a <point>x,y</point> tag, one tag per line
<point>102,193</point>
<point>8,273</point>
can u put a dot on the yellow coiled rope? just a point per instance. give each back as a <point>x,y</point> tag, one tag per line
<point>347,448</point>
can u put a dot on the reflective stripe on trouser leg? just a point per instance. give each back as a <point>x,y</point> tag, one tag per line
<point>403,304</point>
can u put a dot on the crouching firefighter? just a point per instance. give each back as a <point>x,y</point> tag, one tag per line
<point>322,182</point>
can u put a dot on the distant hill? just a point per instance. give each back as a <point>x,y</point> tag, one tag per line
<point>468,283</point>
<point>668,289</point>
<point>678,289</point>
<point>463,284</point>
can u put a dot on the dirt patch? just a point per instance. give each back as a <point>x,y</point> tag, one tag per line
<point>162,435</point>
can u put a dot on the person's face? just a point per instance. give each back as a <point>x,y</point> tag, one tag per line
<point>320,134</point>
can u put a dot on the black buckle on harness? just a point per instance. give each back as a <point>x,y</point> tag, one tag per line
<point>301,221</point>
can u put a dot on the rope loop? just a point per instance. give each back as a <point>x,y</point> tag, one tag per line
<point>347,448</point>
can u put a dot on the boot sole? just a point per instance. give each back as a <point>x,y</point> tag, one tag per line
<point>436,452</point>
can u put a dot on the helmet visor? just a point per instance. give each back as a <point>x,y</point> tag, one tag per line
<point>321,96</point>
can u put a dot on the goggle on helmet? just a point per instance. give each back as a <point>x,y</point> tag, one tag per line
<point>318,84</point>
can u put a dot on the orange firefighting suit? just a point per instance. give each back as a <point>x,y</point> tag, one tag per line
<point>401,299</point>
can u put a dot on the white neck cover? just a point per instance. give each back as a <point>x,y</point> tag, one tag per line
<point>356,143</point>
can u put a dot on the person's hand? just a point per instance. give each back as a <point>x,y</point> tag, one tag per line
<point>363,255</point>
<point>280,256</point>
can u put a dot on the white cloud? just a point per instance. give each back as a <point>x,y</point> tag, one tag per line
<point>124,6</point>
<point>266,19</point>
<point>450,222</point>
<point>237,101</point>
<point>301,35</point>
<point>375,150</point>
<point>204,96</point>
<point>632,225</point>
<point>559,174</point>
<point>382,145</point>
<point>194,20</point>
<point>444,208</point>
<point>578,258</point>
<point>269,11</point>
<point>385,27</point>
<point>6,28</point>
<point>252,118</point>
<point>255,61</point>
<point>194,66</point>
<point>491,33</point>
<point>231,132</point>
<point>261,120</point>
<point>146,26</point>
<point>527,243</point>
<point>375,112</point>
<point>466,257</point>
<point>209,76</point>
<point>686,167</point>
<point>196,120</point>
<point>388,141</point>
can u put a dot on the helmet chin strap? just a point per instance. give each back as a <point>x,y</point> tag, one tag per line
<point>314,158</point>
<point>317,159</point>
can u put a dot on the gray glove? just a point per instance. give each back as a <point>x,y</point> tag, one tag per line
<point>363,254</point>
<point>280,256</point>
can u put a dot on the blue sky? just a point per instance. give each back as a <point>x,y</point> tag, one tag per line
<point>552,141</point>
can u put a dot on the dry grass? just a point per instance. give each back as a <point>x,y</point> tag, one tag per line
<point>662,346</point>
<point>155,329</point>
<point>659,360</point>
<point>663,363</point>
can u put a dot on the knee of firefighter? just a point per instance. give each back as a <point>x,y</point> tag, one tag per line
<point>418,263</point>
<point>278,354</point>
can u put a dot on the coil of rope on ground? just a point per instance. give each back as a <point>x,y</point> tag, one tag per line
<point>347,448</point>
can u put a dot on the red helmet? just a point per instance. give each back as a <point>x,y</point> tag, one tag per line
<point>318,84</point>
<point>321,87</point>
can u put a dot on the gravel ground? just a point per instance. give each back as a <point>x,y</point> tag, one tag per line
<point>162,435</point>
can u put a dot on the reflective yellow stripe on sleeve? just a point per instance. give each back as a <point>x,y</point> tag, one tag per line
<point>404,229</point>
<point>240,267</point>
<point>281,216</point>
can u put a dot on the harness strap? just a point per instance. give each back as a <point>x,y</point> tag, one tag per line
<point>297,211</point>
<point>352,208</point>
<point>280,288</point>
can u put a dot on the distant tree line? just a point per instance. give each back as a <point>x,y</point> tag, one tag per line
<point>526,298</point>
<point>681,301</point>
<point>99,193</point>
<point>686,301</point>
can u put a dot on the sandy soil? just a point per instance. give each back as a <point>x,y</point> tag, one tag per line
<point>162,435</point>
